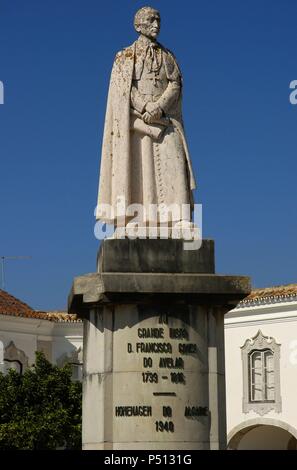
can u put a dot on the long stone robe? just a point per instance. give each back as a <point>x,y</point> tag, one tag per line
<point>137,168</point>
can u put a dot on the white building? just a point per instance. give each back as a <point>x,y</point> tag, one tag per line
<point>24,331</point>
<point>260,351</point>
<point>261,370</point>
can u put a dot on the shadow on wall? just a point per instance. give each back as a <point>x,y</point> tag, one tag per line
<point>75,359</point>
<point>267,434</point>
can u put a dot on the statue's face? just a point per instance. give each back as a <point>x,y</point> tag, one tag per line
<point>150,24</point>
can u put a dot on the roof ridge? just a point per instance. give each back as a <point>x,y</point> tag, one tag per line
<point>274,294</point>
<point>60,316</point>
<point>12,306</point>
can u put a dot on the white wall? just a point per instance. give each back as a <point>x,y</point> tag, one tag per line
<point>27,333</point>
<point>280,322</point>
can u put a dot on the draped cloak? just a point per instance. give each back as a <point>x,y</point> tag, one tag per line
<point>116,172</point>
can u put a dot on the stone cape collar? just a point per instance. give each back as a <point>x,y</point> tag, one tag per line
<point>145,42</point>
<point>147,52</point>
<point>139,49</point>
<point>125,63</point>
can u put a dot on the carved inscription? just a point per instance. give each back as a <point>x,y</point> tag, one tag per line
<point>165,351</point>
<point>195,411</point>
<point>126,411</point>
<point>171,363</point>
<point>151,333</point>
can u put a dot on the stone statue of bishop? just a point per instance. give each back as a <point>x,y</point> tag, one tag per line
<point>145,158</point>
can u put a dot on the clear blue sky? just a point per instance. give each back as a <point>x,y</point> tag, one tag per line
<point>237,59</point>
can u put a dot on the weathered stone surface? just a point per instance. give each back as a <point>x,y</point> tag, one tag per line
<point>148,287</point>
<point>170,399</point>
<point>160,256</point>
<point>145,158</point>
<point>154,344</point>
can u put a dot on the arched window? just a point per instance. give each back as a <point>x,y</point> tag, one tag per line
<point>13,364</point>
<point>15,358</point>
<point>75,359</point>
<point>261,374</point>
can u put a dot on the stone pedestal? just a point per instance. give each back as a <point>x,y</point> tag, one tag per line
<point>154,346</point>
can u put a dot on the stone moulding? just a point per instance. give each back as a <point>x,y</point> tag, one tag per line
<point>266,300</point>
<point>13,354</point>
<point>106,287</point>
<point>259,342</point>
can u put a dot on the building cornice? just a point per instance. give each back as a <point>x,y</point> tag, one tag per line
<point>267,300</point>
<point>35,326</point>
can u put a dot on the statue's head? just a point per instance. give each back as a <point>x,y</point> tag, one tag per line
<point>147,21</point>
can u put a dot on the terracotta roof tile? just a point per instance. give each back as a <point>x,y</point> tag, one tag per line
<point>58,316</point>
<point>270,295</point>
<point>10,305</point>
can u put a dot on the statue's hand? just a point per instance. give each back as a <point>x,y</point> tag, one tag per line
<point>148,118</point>
<point>154,110</point>
<point>153,113</point>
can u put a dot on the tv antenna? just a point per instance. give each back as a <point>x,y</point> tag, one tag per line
<point>3,260</point>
